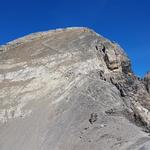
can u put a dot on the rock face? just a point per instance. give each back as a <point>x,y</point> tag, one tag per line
<point>147,80</point>
<point>71,89</point>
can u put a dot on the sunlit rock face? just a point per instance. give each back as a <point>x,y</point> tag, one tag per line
<point>70,89</point>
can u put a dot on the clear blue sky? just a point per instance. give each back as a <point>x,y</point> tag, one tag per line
<point>124,21</point>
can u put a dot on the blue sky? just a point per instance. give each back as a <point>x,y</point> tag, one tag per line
<point>124,21</point>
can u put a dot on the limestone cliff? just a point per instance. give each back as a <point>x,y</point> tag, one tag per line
<point>71,89</point>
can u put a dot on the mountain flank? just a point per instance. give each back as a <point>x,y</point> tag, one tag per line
<point>71,89</point>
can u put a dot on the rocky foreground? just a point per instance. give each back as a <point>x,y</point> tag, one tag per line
<point>71,89</point>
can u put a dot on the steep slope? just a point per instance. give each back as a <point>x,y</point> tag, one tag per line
<point>71,89</point>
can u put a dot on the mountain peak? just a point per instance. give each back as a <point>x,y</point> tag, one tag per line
<point>69,89</point>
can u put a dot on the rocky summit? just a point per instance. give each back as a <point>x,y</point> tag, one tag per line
<point>71,89</point>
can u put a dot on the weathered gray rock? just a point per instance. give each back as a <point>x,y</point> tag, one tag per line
<point>147,81</point>
<point>70,89</point>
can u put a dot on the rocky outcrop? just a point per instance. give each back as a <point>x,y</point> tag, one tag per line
<point>147,81</point>
<point>70,89</point>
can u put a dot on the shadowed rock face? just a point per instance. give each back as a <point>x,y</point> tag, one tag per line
<point>147,81</point>
<point>71,89</point>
